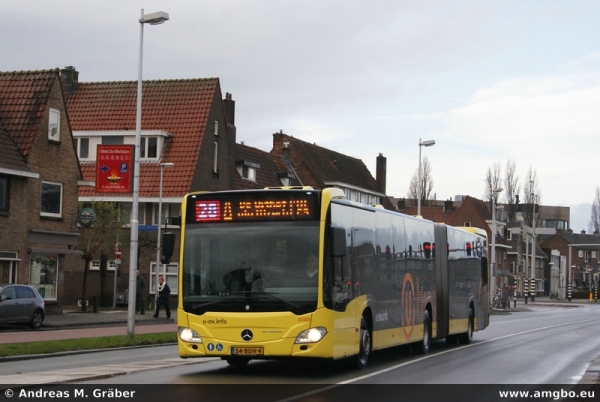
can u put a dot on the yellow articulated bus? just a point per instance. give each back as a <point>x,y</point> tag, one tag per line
<point>298,272</point>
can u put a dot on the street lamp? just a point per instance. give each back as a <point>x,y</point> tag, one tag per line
<point>533,251</point>
<point>162,166</point>
<point>152,19</point>
<point>428,143</point>
<point>492,276</point>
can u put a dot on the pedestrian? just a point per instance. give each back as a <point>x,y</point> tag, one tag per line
<point>163,297</point>
<point>139,287</point>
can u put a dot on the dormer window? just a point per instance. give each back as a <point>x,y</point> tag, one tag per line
<point>149,147</point>
<point>247,170</point>
<point>248,173</point>
<point>285,178</point>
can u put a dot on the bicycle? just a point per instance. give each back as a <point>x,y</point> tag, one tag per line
<point>498,302</point>
<point>555,296</point>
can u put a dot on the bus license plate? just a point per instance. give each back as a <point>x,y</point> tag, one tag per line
<point>247,351</point>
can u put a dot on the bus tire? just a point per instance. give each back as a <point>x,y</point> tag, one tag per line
<point>364,342</point>
<point>467,337</point>
<point>425,343</point>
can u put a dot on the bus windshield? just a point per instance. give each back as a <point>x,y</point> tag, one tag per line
<point>250,267</point>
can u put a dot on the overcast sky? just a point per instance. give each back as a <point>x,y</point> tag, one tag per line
<point>489,81</point>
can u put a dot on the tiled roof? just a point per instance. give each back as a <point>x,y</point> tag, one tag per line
<point>179,107</point>
<point>23,99</point>
<point>580,238</point>
<point>435,214</point>
<point>266,174</point>
<point>10,157</point>
<point>317,165</point>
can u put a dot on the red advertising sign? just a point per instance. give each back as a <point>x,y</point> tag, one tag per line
<point>114,165</point>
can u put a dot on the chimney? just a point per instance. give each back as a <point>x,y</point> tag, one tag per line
<point>448,205</point>
<point>401,204</point>
<point>285,152</point>
<point>69,77</point>
<point>583,232</point>
<point>381,171</point>
<point>229,110</point>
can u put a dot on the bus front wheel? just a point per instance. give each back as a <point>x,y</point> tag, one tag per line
<point>364,345</point>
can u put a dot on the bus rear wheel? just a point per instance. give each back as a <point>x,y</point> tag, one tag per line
<point>425,343</point>
<point>467,337</point>
<point>364,345</point>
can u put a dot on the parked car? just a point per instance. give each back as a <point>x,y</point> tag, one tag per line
<point>21,304</point>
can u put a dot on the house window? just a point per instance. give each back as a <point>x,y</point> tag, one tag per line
<point>580,253</point>
<point>248,173</point>
<point>167,210</point>
<point>113,140</point>
<point>215,158</point>
<point>169,271</point>
<point>82,145</point>
<point>4,196</point>
<point>95,265</point>
<point>467,224</point>
<point>149,147</point>
<point>43,269</point>
<point>51,199</point>
<point>509,235</point>
<point>54,125</point>
<point>125,213</point>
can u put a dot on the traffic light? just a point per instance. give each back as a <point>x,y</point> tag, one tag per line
<point>168,245</point>
<point>427,249</point>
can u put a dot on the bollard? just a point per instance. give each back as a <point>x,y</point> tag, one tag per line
<point>515,302</point>
<point>95,304</point>
<point>590,297</point>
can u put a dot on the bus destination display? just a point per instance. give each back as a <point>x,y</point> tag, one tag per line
<point>241,209</point>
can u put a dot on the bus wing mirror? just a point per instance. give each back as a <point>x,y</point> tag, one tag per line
<point>338,242</point>
<point>168,245</point>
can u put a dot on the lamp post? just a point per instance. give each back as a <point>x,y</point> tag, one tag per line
<point>533,250</point>
<point>152,19</point>
<point>492,271</point>
<point>162,166</point>
<point>428,143</point>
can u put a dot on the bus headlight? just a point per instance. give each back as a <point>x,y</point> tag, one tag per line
<point>311,335</point>
<point>189,335</point>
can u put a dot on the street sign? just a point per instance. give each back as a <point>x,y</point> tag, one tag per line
<point>117,255</point>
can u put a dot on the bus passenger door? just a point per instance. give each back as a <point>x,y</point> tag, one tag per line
<point>344,343</point>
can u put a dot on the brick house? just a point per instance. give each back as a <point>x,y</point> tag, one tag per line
<point>320,167</point>
<point>185,122</point>
<point>39,184</point>
<point>575,260</point>
<point>258,169</point>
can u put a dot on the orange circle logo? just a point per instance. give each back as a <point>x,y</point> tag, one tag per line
<point>408,306</point>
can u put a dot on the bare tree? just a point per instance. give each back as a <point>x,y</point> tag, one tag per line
<point>594,225</point>
<point>98,238</point>
<point>492,182</point>
<point>532,196</point>
<point>511,190</point>
<point>426,183</point>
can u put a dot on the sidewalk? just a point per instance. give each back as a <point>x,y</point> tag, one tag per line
<point>75,324</point>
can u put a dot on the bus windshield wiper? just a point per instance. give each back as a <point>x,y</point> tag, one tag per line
<point>270,294</point>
